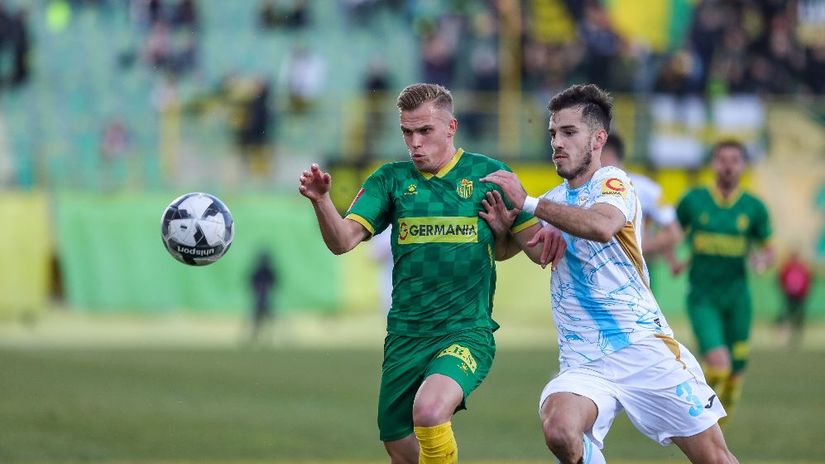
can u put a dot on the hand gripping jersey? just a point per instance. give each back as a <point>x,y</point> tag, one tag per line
<point>600,292</point>
<point>443,252</point>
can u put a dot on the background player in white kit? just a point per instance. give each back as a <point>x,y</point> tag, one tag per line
<point>661,231</point>
<point>616,348</point>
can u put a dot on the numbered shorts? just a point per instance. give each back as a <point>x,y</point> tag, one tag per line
<point>464,356</point>
<point>656,380</point>
<point>722,321</point>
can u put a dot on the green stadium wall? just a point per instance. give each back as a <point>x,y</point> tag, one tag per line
<point>111,260</point>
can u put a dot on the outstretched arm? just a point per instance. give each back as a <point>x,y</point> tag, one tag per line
<point>599,223</point>
<point>508,245</point>
<point>340,235</point>
<point>663,241</point>
<point>500,219</point>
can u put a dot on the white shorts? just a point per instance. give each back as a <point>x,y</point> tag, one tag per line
<point>656,380</point>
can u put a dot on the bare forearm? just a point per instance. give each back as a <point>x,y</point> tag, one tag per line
<point>580,222</point>
<point>663,241</point>
<point>339,236</point>
<point>506,247</point>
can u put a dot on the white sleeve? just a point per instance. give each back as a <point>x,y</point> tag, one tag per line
<point>663,215</point>
<point>650,197</point>
<point>613,187</point>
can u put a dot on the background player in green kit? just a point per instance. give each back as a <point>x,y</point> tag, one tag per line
<point>439,345</point>
<point>724,226</point>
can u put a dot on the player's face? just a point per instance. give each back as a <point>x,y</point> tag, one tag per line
<point>428,133</point>
<point>729,164</point>
<point>572,142</point>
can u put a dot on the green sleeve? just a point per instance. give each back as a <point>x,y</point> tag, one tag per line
<point>761,229</point>
<point>683,212</point>
<point>372,204</point>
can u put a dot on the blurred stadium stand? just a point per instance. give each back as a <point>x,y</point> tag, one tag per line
<point>89,68</point>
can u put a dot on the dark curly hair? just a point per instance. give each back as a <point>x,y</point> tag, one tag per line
<point>730,143</point>
<point>596,104</point>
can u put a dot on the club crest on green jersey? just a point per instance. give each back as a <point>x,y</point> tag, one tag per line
<point>465,188</point>
<point>742,222</point>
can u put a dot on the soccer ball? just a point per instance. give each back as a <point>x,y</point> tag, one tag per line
<point>197,228</point>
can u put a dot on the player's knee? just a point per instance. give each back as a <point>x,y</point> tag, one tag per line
<point>430,413</point>
<point>562,441</point>
<point>718,358</point>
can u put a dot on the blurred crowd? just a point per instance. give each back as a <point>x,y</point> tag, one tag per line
<point>725,47</point>
<point>701,49</point>
<point>732,46</point>
<point>14,46</point>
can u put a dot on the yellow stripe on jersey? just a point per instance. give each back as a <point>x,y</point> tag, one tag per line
<point>715,244</point>
<point>362,221</point>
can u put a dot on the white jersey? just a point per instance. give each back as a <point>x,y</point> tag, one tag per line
<point>600,292</point>
<point>650,197</point>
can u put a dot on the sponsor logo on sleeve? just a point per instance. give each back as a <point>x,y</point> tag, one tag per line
<point>357,196</point>
<point>614,186</point>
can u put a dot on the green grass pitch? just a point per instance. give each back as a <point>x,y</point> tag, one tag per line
<point>290,405</point>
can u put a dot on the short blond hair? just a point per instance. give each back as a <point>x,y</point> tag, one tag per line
<point>416,95</point>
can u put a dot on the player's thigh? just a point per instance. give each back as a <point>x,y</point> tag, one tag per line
<point>707,323</point>
<point>738,323</point>
<point>405,364</point>
<point>706,446</point>
<point>466,357</point>
<point>673,387</point>
<point>568,411</point>
<point>593,412</point>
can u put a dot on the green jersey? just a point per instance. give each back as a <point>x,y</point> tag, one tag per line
<point>721,234</point>
<point>443,252</point>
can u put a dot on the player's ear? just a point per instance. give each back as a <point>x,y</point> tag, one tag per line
<point>453,127</point>
<point>600,139</point>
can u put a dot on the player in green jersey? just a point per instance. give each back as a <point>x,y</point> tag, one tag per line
<point>724,226</point>
<point>439,345</point>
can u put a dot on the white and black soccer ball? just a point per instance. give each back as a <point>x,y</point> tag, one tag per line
<point>197,228</point>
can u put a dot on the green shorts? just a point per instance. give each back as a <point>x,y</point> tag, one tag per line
<point>722,320</point>
<point>464,356</point>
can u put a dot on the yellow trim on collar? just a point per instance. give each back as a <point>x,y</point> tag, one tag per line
<point>449,166</point>
<point>720,200</point>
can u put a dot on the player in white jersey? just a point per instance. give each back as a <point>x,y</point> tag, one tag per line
<point>616,350</point>
<point>662,238</point>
